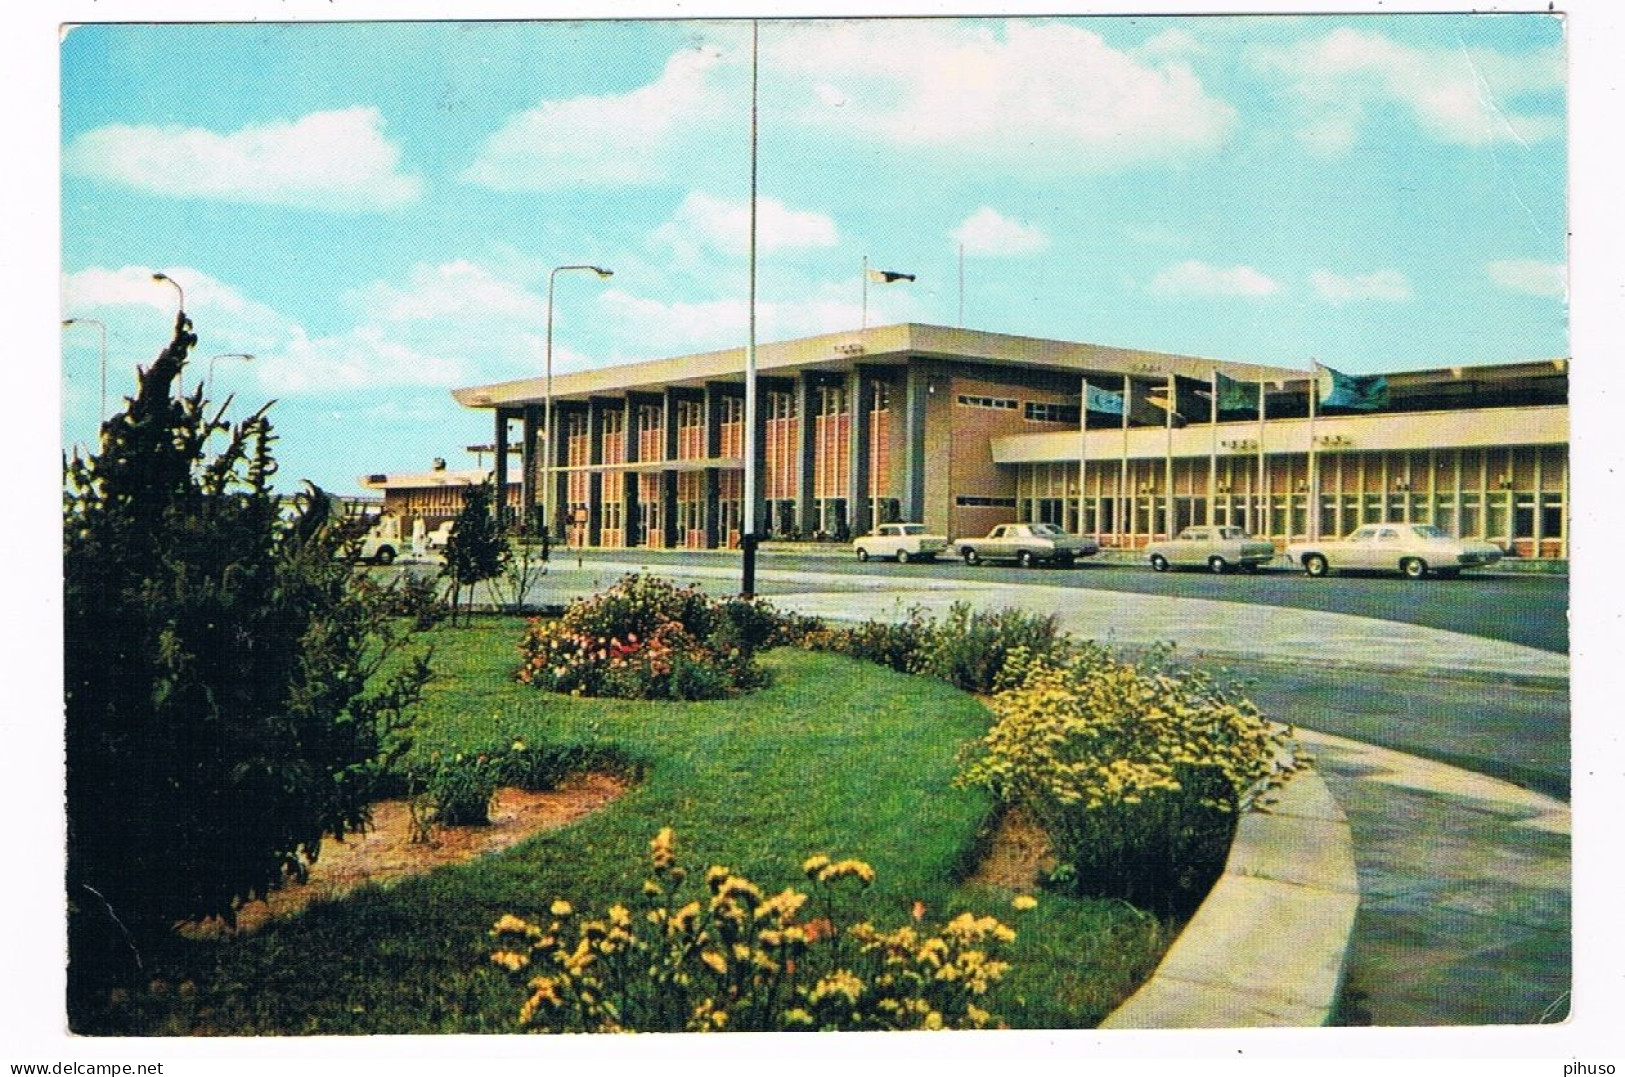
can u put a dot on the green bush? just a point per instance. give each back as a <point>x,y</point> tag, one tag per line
<point>967,648</point>
<point>1136,774</point>
<point>224,702</point>
<point>679,958</point>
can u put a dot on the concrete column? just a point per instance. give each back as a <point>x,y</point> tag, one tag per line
<point>915,391</point>
<point>668,478</point>
<point>630,512</point>
<point>713,507</point>
<point>529,466</point>
<point>500,442</point>
<point>806,398</point>
<point>860,398</point>
<point>559,493</point>
<point>595,479</point>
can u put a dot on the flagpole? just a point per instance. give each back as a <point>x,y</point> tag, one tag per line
<point>1312,524</point>
<point>1213,453</point>
<point>1122,469</point>
<point>864,277</point>
<point>748,517</point>
<point>1263,496</point>
<point>1083,448</point>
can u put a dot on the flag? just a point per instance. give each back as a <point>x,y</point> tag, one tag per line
<point>1104,401</point>
<point>1236,395</point>
<point>1340,390</point>
<point>1148,404</point>
<point>1191,399</point>
<point>888,276</point>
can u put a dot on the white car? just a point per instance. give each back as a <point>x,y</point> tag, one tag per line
<point>1216,548</point>
<point>903,542</point>
<point>1028,545</point>
<point>437,538</point>
<point>1412,549</point>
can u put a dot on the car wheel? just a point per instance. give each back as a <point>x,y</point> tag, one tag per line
<point>1025,559</point>
<point>902,557</point>
<point>971,557</point>
<point>863,555</point>
<point>386,555</point>
<point>1068,561</point>
<point>1159,562</point>
<point>1218,566</point>
<point>1414,568</point>
<point>1315,565</point>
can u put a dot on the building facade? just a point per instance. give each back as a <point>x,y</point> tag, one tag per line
<point>962,430</point>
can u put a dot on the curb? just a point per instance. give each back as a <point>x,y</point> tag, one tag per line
<point>1269,945</point>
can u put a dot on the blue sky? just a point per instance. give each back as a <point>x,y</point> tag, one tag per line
<point>371,209</point>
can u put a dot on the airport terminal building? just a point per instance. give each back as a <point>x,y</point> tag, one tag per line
<point>961,430</point>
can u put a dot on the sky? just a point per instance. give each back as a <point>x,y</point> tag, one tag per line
<point>372,209</point>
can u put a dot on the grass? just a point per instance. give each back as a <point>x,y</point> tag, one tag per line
<point>835,756</point>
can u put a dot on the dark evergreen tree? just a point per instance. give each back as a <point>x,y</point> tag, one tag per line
<point>477,549</point>
<point>224,705</point>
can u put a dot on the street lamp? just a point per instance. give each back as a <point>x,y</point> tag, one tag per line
<point>208,386</point>
<point>547,407</point>
<point>102,326</point>
<point>179,291</point>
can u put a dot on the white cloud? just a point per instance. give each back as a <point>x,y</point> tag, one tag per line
<point>1466,97</point>
<point>1172,43</point>
<point>337,160</point>
<point>989,232</point>
<point>457,289</point>
<point>609,140</point>
<point>1194,278</point>
<point>705,222</point>
<point>1385,285</point>
<point>1049,95</point>
<point>1530,276</point>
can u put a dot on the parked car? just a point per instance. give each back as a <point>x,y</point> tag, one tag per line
<point>1027,545</point>
<point>1218,549</point>
<point>904,542</point>
<point>382,543</point>
<point>437,538</point>
<point>1412,549</point>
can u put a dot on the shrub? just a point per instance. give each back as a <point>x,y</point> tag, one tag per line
<point>476,550</point>
<point>1137,775</point>
<point>968,649</point>
<point>458,787</point>
<point>225,709</point>
<point>728,958</point>
<point>646,638</point>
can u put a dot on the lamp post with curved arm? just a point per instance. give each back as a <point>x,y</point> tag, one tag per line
<point>179,291</point>
<point>547,406</point>
<point>208,386</point>
<point>102,326</point>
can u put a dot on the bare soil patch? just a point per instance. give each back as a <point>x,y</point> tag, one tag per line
<point>386,852</point>
<point>1017,855</point>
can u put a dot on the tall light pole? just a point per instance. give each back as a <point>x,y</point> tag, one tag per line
<point>179,291</point>
<point>547,406</point>
<point>208,386</point>
<point>747,538</point>
<point>102,326</point>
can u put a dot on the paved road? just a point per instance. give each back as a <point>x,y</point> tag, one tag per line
<point>1522,608</point>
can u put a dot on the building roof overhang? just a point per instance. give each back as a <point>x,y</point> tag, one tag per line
<point>892,345</point>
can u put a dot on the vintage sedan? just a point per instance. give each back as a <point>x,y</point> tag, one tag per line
<point>1027,545</point>
<point>1414,550</point>
<point>1215,548</point>
<point>903,542</point>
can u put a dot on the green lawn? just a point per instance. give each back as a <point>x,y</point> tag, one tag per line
<point>836,756</point>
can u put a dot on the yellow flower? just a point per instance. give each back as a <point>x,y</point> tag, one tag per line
<point>1024,902</point>
<point>509,960</point>
<point>560,908</point>
<point>814,864</point>
<point>510,924</point>
<point>715,962</point>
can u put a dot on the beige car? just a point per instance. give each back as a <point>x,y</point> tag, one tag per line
<point>902,542</point>
<point>1215,548</point>
<point>1415,550</point>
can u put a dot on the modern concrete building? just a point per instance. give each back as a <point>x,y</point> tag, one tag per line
<point>962,430</point>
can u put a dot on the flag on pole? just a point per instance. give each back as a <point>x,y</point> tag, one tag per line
<point>1340,390</point>
<point>888,276</point>
<point>1236,395</point>
<point>1148,404</point>
<point>1104,401</point>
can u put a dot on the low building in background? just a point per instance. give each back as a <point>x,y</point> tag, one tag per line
<point>962,430</point>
